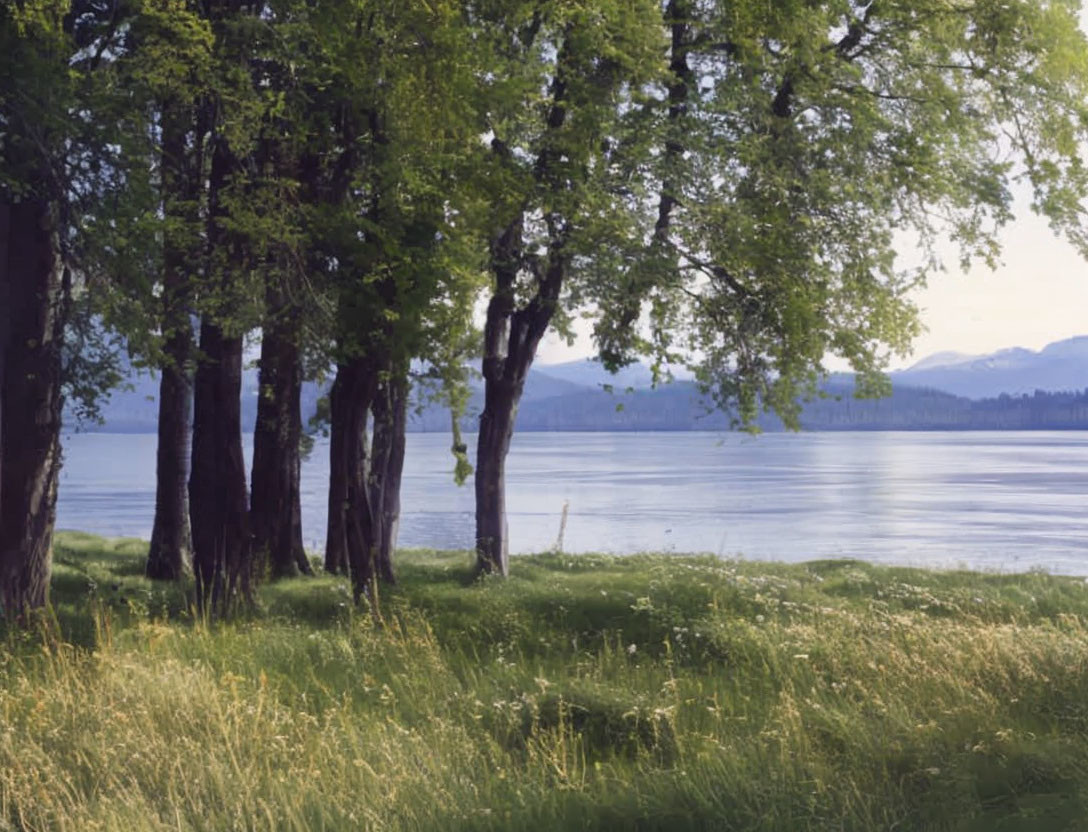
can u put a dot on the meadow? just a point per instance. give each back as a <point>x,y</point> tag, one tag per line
<point>584,692</point>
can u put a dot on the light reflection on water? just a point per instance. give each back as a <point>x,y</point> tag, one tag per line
<point>1007,501</point>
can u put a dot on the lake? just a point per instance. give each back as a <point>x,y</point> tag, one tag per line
<point>1002,501</point>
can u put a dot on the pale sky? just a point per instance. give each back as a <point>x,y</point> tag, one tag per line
<point>1038,294</point>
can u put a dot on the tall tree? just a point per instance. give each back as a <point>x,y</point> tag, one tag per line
<point>218,494</point>
<point>62,173</point>
<point>817,139</point>
<point>287,326</point>
<point>391,241</point>
<point>35,287</point>
<point>589,57</point>
<point>170,65</point>
<point>276,511</point>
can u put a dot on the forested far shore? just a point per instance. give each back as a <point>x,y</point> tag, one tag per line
<point>679,406</point>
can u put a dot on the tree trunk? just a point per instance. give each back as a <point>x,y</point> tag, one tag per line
<point>390,421</point>
<point>218,500</point>
<point>5,322</point>
<point>493,443</point>
<point>505,369</point>
<point>512,333</point>
<point>218,504</point>
<point>34,294</point>
<point>362,544</point>
<point>336,540</point>
<point>511,337</point>
<point>352,539</point>
<point>276,513</point>
<point>171,540</point>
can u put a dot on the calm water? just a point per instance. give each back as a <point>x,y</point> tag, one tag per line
<point>1006,501</point>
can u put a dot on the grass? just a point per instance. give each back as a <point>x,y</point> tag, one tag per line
<point>585,692</point>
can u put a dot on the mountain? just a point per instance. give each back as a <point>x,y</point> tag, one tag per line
<point>590,373</point>
<point>1062,365</point>
<point>943,359</point>
<point>544,385</point>
<point>946,391</point>
<point>133,407</point>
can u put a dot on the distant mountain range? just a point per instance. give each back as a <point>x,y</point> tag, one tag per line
<point>943,391</point>
<point>1060,366</point>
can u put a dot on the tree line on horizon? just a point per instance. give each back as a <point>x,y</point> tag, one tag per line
<point>717,184</point>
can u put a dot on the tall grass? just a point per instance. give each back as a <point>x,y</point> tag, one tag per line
<point>586,692</point>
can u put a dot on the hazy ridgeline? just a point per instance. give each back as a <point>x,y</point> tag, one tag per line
<point>552,403</point>
<point>587,692</point>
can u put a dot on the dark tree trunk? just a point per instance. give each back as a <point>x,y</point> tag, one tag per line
<point>511,337</point>
<point>33,310</point>
<point>218,504</point>
<point>493,443</point>
<point>218,500</point>
<point>362,541</point>
<point>512,333</point>
<point>5,322</point>
<point>351,518</point>
<point>171,541</point>
<point>390,421</point>
<point>678,15</point>
<point>275,512</point>
<point>336,539</point>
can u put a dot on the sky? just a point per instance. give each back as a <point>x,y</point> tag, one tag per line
<point>1039,294</point>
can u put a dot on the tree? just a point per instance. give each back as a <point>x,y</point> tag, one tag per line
<point>388,231</point>
<point>545,179</point>
<point>169,65</point>
<point>288,322</point>
<point>234,105</point>
<point>73,199</point>
<point>816,139</point>
<point>35,293</point>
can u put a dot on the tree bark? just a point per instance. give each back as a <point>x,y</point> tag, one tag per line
<point>5,321</point>
<point>390,422</point>
<point>512,333</point>
<point>493,443</point>
<point>218,504</point>
<point>336,541</point>
<point>34,292</point>
<point>276,512</point>
<point>171,540</point>
<point>361,527</point>
<point>351,515</point>
<point>511,337</point>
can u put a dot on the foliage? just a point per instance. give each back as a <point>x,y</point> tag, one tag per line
<point>817,140</point>
<point>66,140</point>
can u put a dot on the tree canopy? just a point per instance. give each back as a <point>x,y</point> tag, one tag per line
<point>727,185</point>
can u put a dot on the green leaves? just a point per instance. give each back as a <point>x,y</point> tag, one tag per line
<point>727,183</point>
<point>814,139</point>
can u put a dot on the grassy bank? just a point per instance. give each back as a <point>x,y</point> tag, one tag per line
<point>585,692</point>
